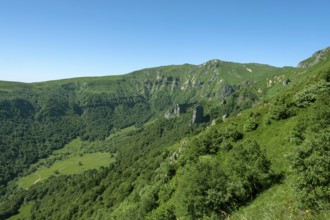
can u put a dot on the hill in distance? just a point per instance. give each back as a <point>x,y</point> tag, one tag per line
<point>218,140</point>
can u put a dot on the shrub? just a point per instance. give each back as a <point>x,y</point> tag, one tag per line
<point>308,95</point>
<point>281,109</point>
<point>164,212</point>
<point>250,171</point>
<point>311,165</point>
<point>232,133</point>
<point>209,188</point>
<point>251,123</point>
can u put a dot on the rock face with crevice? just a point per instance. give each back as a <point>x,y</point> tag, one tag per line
<point>198,115</point>
<point>174,111</point>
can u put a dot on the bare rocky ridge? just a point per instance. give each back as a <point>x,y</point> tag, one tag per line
<point>316,58</point>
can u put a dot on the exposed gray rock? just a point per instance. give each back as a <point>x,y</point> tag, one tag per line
<point>286,82</point>
<point>198,115</point>
<point>316,58</point>
<point>174,111</point>
<point>213,122</point>
<point>225,91</point>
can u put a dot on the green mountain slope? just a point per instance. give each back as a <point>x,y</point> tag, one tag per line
<point>51,114</point>
<point>257,151</point>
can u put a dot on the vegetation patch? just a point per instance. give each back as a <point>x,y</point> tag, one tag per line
<point>69,166</point>
<point>102,148</point>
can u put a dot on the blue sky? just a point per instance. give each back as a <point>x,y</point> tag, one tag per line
<point>53,39</point>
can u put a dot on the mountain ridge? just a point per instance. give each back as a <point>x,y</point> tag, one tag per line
<point>159,160</point>
<point>148,69</point>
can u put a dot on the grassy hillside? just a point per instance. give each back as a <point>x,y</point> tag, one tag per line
<point>261,150</point>
<point>46,116</point>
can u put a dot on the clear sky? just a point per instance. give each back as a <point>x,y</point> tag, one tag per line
<point>53,39</point>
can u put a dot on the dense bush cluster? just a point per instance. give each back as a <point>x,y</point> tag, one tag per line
<point>213,188</point>
<point>308,95</point>
<point>251,123</point>
<point>312,165</point>
<point>281,109</point>
<point>311,162</point>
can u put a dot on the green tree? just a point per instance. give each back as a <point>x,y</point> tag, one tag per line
<point>251,123</point>
<point>311,165</point>
<point>249,170</point>
<point>281,109</point>
<point>164,212</point>
<point>202,190</point>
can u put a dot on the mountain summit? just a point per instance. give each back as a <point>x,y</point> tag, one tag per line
<point>317,57</point>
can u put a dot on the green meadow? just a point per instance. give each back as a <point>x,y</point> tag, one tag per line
<point>76,157</point>
<point>71,165</point>
<point>24,212</point>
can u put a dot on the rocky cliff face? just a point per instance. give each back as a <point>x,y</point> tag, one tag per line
<point>141,94</point>
<point>198,115</point>
<point>175,111</point>
<point>316,58</point>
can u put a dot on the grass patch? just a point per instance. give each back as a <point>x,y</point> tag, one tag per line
<point>122,132</point>
<point>278,202</point>
<point>71,165</point>
<point>24,212</point>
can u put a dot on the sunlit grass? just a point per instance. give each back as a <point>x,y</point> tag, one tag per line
<point>24,212</point>
<point>71,165</point>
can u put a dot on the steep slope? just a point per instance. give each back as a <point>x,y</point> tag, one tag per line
<point>166,168</point>
<point>41,117</point>
<point>319,56</point>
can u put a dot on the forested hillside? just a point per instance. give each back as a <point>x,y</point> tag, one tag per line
<point>212,141</point>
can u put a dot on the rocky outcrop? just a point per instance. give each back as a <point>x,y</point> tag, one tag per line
<point>226,90</point>
<point>286,82</point>
<point>162,82</point>
<point>175,111</point>
<point>316,58</point>
<point>198,115</point>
